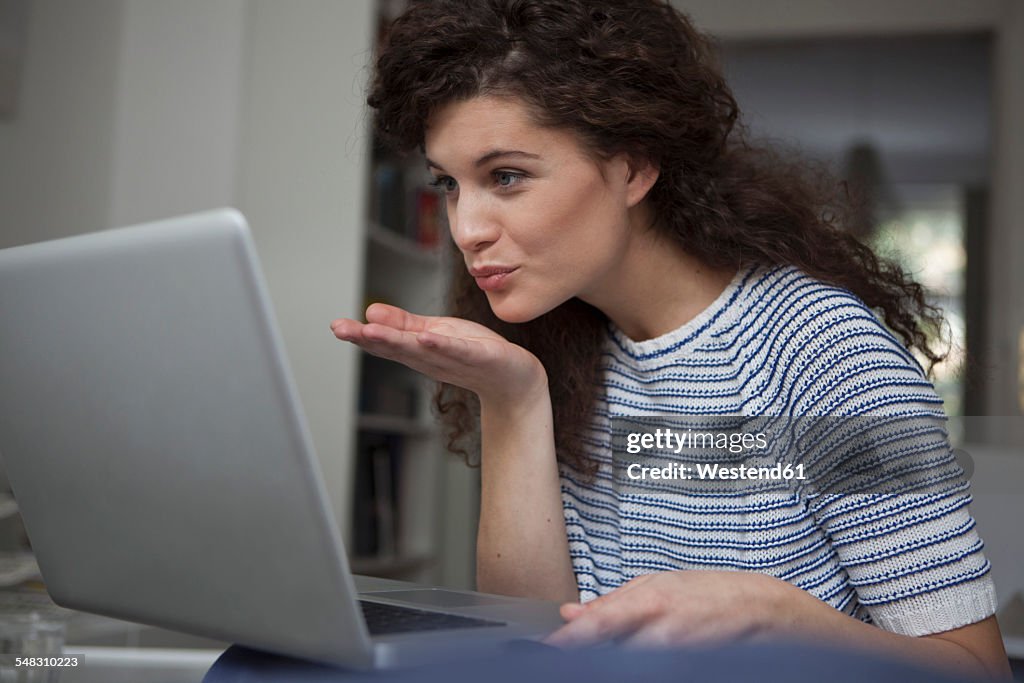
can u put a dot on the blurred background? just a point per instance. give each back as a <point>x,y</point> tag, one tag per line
<point>114,112</point>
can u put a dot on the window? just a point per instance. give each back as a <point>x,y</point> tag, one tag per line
<point>925,234</point>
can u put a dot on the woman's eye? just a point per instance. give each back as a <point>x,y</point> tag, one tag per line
<point>444,183</point>
<point>507,178</point>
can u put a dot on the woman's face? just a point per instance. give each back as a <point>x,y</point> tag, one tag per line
<point>537,219</point>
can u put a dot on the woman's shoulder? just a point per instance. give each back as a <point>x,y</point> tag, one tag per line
<point>765,313</point>
<point>795,309</point>
<point>777,341</point>
<point>839,357</point>
<point>786,295</point>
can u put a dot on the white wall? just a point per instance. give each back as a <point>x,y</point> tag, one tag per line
<point>128,111</point>
<point>302,182</point>
<point>56,153</point>
<point>179,85</point>
<point>132,110</point>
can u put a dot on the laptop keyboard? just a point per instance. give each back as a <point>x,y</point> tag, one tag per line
<point>383,619</point>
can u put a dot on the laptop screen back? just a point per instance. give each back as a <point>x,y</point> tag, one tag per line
<point>153,438</point>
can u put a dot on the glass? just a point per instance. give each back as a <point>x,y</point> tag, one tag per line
<point>26,636</point>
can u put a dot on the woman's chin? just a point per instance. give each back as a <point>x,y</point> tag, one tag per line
<point>511,311</point>
<point>514,315</point>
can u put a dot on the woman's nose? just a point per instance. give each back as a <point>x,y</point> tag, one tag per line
<point>472,223</point>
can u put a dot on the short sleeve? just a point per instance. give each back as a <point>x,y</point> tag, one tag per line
<point>888,496</point>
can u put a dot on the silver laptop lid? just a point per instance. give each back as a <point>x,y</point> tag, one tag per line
<point>155,444</point>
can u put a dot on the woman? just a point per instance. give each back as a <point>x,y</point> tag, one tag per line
<point>626,252</point>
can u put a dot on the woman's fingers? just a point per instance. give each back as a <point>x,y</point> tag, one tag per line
<point>424,345</point>
<point>381,335</point>
<point>398,318</point>
<point>393,344</point>
<point>446,358</point>
<point>664,609</point>
<point>633,607</point>
<point>571,610</point>
<point>597,623</point>
<point>379,314</point>
<point>449,350</point>
<point>384,334</point>
<point>346,329</point>
<point>455,348</point>
<point>371,333</point>
<point>379,340</point>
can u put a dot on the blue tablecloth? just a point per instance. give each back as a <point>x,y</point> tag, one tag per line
<point>782,663</point>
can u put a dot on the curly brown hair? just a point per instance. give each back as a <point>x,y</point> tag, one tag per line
<point>635,77</point>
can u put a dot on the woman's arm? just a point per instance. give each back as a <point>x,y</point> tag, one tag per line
<point>522,547</point>
<point>674,608</point>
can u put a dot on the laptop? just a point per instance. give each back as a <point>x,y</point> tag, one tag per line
<point>154,441</point>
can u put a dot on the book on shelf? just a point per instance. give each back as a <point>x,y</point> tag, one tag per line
<point>387,388</point>
<point>389,197</point>
<point>376,498</point>
<point>385,498</point>
<point>403,203</point>
<point>429,219</point>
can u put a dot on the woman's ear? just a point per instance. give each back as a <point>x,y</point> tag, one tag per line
<point>642,174</point>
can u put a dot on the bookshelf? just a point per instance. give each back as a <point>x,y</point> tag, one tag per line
<point>414,507</point>
<point>397,506</point>
<point>399,469</point>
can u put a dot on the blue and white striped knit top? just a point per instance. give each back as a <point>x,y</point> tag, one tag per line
<point>777,342</point>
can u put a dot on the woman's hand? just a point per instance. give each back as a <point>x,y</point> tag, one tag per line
<point>674,608</point>
<point>449,350</point>
<point>699,607</point>
<point>521,545</point>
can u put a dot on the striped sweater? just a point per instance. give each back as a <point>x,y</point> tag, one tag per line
<point>777,342</point>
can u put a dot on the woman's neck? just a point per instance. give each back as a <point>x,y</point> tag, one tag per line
<point>657,287</point>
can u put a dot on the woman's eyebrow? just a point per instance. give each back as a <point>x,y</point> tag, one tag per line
<point>490,156</point>
<point>494,154</point>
